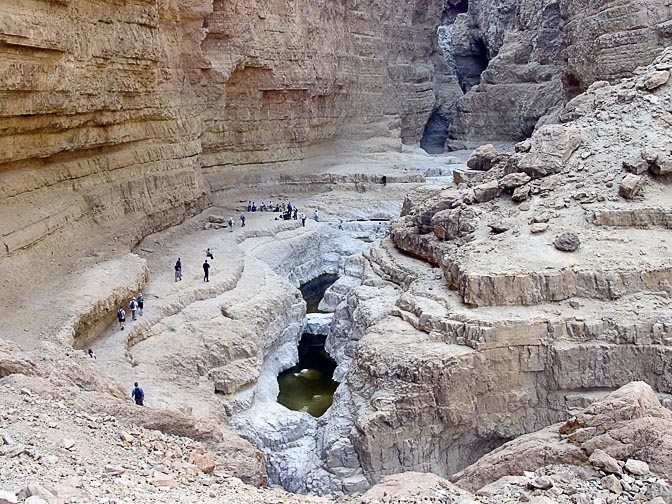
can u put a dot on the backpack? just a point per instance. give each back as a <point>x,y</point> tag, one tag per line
<point>121,314</point>
<point>132,305</point>
<point>139,395</point>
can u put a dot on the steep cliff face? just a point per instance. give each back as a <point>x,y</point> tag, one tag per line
<point>110,109</point>
<point>295,78</point>
<point>98,124</point>
<point>519,61</point>
<point>546,283</point>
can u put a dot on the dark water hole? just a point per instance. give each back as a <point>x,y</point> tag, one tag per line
<point>308,386</point>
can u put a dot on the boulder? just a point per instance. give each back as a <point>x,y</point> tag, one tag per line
<point>521,193</point>
<point>636,165</point>
<point>612,483</point>
<point>602,460</point>
<point>552,146</point>
<point>462,176</point>
<point>513,180</point>
<point>567,242</point>
<point>483,158</point>
<point>662,165</point>
<point>486,192</point>
<point>656,79</point>
<point>538,227</point>
<point>637,467</point>
<point>499,227</point>
<point>631,185</point>
<point>217,219</point>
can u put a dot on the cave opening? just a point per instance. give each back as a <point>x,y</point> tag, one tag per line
<point>309,386</point>
<point>435,134</point>
<point>470,67</point>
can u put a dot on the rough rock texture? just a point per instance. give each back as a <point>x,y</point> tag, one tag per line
<point>470,339</point>
<point>627,424</point>
<point>126,117</point>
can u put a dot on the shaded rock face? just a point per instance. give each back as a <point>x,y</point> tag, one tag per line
<point>128,117</point>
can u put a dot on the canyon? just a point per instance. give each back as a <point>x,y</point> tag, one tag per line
<point>500,324</point>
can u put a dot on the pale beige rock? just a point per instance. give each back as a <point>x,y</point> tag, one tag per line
<point>656,79</point>
<point>636,467</point>
<point>631,185</point>
<point>612,483</point>
<point>551,148</point>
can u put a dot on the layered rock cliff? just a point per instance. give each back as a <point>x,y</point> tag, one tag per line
<point>538,283</point>
<point>126,117</point>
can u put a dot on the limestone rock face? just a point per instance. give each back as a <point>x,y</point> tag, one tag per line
<point>124,118</point>
<point>483,337</point>
<point>595,36</point>
<point>627,423</point>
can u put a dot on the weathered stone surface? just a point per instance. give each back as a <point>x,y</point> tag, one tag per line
<point>513,180</point>
<point>538,227</point>
<point>483,158</point>
<point>636,467</point>
<point>551,148</point>
<point>636,165</point>
<point>567,242</point>
<point>612,483</point>
<point>486,192</point>
<point>631,185</point>
<point>656,79</point>
<point>604,461</point>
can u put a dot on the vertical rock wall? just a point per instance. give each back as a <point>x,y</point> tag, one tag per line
<point>110,109</point>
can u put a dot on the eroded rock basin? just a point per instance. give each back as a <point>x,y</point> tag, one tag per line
<point>308,386</point>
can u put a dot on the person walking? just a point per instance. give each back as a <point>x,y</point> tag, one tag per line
<point>91,354</point>
<point>133,305</point>
<point>303,219</point>
<point>121,317</point>
<point>316,216</point>
<point>138,394</point>
<point>296,213</point>
<point>141,304</point>
<point>206,271</point>
<point>340,224</point>
<point>178,269</point>
<point>230,223</point>
<point>242,219</point>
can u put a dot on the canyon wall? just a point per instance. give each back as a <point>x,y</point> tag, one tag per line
<point>126,116</point>
<point>539,282</point>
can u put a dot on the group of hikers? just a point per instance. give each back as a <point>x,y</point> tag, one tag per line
<point>206,267</point>
<point>136,306</point>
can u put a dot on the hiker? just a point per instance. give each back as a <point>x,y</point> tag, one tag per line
<point>303,219</point>
<point>133,305</point>
<point>254,207</point>
<point>230,223</point>
<point>141,304</point>
<point>91,354</point>
<point>178,269</point>
<point>316,216</point>
<point>138,394</point>
<point>383,180</point>
<point>121,316</point>
<point>340,224</point>
<point>249,206</point>
<point>296,213</point>
<point>289,207</point>
<point>208,254</point>
<point>242,219</point>
<point>206,271</point>
<point>262,207</point>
